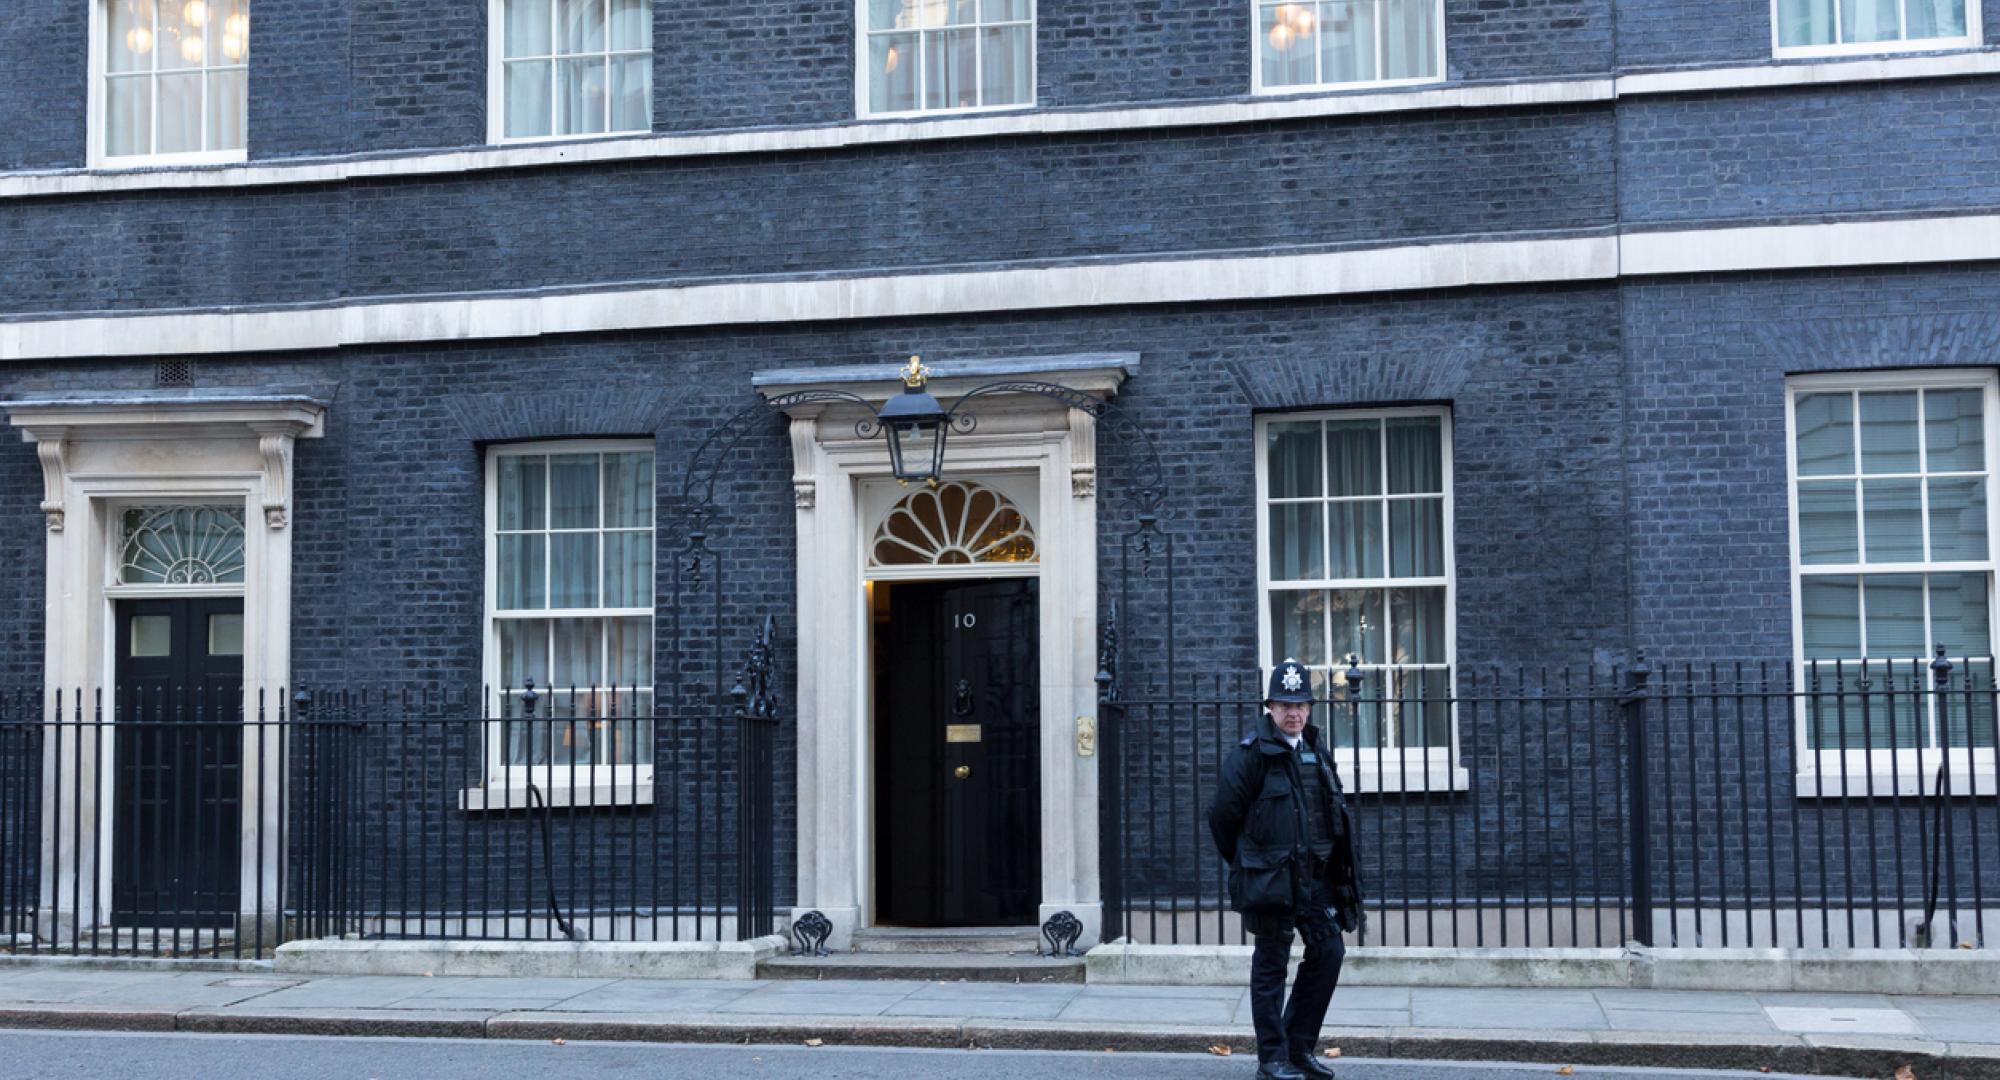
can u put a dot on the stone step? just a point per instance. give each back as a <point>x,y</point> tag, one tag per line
<point>1020,940</point>
<point>926,967</point>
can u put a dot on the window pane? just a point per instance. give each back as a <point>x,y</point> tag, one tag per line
<point>628,491</point>
<point>129,46</point>
<point>527,98</point>
<point>628,569</point>
<point>632,93</point>
<point>1889,432</point>
<point>225,634</point>
<point>1347,42</point>
<point>892,81</point>
<point>1826,434</point>
<point>1805,22</point>
<point>630,651</point>
<point>1959,617</point>
<point>950,75</point>
<point>1967,718</point>
<point>1409,44</point>
<point>1869,20</point>
<point>1355,617</point>
<point>152,635</point>
<point>1354,457</point>
<point>1891,520</point>
<point>1006,10</point>
<point>521,572</point>
<point>1416,538</point>
<point>1416,456</point>
<point>573,570</point>
<point>1005,75</point>
<point>580,100</point>
<point>1292,459</point>
<point>1298,626</point>
<point>180,43</point>
<point>631,24</point>
<point>1954,428</point>
<point>180,114</point>
<point>527,28</point>
<point>1958,518</point>
<point>573,491</point>
<point>1297,543</point>
<point>522,486</point>
<point>1287,54</point>
<point>578,652</point>
<point>524,652</point>
<point>1417,618</point>
<point>1830,608</point>
<point>129,127</point>
<point>228,109</point>
<point>1895,618</point>
<point>1356,538</point>
<point>891,15</point>
<point>579,26</point>
<point>949,12</point>
<point>233,37</point>
<point>1827,524</point>
<point>1936,18</point>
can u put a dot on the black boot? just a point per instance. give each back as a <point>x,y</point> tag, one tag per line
<point>1278,1070</point>
<point>1312,1069</point>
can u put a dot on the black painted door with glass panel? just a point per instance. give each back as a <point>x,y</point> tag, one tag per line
<point>176,850</point>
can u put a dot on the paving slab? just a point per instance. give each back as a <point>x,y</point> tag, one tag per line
<point>619,998</point>
<point>1693,1001</point>
<point>965,1011</point>
<point>1666,1020</point>
<point>849,1004</point>
<point>1157,1010</point>
<point>556,989</point>
<point>1570,1010</point>
<point>1811,1019</point>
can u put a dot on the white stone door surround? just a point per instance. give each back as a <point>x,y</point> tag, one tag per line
<point>1026,438</point>
<point>100,454</point>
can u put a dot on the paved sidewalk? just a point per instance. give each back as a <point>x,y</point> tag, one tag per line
<point>1827,1034</point>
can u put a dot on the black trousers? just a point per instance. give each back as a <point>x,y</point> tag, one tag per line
<point>1288,1028</point>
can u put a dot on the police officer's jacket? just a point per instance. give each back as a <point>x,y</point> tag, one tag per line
<point>1263,827</point>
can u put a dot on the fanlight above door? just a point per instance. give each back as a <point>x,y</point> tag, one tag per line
<point>954,524</point>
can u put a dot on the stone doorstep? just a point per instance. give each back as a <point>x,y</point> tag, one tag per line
<point>546,959</point>
<point>1007,940</point>
<point>926,967</point>
<point>1885,971</point>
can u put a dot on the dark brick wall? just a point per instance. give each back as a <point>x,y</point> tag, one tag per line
<point>1816,151</point>
<point>1273,186</point>
<point>301,90</point>
<point>1518,39</point>
<point>1707,362</point>
<point>44,51</point>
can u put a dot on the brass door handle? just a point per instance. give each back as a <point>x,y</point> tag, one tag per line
<point>962,771</point>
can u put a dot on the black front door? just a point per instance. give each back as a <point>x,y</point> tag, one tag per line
<point>958,737</point>
<point>178,782</point>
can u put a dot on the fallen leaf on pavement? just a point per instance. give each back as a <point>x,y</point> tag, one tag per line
<point>560,1042</point>
<point>815,1042</point>
<point>1333,1051</point>
<point>1763,1068</point>
<point>1906,1073</point>
<point>1566,1070</point>
<point>1220,1050</point>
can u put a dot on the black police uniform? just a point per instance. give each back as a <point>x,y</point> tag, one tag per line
<point>1280,821</point>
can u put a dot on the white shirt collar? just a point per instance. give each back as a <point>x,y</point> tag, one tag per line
<point>1292,740</point>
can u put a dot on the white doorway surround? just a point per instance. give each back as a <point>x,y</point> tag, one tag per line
<point>1044,453</point>
<point>100,456</point>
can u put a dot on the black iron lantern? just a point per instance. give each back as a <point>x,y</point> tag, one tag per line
<point>916,425</point>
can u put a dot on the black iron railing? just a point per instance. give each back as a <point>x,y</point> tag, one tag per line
<point>1829,805</point>
<point>184,822</point>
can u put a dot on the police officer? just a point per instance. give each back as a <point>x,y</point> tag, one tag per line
<point>1282,824</point>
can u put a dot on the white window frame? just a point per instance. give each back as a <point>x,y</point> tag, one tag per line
<point>496,82</point>
<point>1970,40</point>
<point>1830,772</point>
<point>1257,46</point>
<point>863,70</point>
<point>96,100</point>
<point>506,786</point>
<point>1367,769</point>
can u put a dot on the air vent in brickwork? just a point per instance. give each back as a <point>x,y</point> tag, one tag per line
<point>173,373</point>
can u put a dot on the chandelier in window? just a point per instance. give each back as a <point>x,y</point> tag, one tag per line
<point>188,30</point>
<point>1290,22</point>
